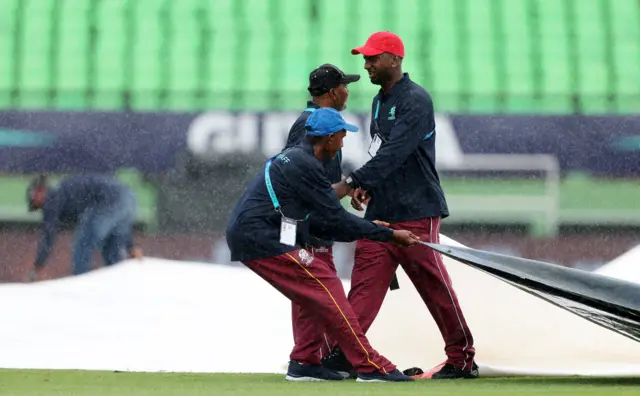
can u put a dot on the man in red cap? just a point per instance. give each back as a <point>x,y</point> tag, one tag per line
<point>402,187</point>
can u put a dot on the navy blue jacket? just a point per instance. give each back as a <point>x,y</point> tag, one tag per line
<point>65,203</point>
<point>297,134</point>
<point>402,177</point>
<point>301,186</point>
<point>333,167</point>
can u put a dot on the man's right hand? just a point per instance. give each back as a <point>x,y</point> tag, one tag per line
<point>404,238</point>
<point>359,198</point>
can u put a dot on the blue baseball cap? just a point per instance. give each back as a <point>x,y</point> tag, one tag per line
<point>326,121</point>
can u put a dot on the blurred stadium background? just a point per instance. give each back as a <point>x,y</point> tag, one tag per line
<point>538,107</point>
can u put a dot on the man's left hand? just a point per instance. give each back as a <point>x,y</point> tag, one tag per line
<point>136,253</point>
<point>359,198</point>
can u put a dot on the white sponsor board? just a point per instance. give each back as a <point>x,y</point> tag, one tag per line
<point>220,132</point>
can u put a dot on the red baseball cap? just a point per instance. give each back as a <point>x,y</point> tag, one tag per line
<point>380,42</point>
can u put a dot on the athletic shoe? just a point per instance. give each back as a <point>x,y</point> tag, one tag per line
<point>310,372</point>
<point>394,376</point>
<point>449,371</point>
<point>337,361</point>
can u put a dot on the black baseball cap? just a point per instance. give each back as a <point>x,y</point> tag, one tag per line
<point>327,77</point>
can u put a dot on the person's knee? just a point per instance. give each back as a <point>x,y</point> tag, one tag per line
<point>88,236</point>
<point>101,226</point>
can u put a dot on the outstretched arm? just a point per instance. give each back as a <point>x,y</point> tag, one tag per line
<point>51,213</point>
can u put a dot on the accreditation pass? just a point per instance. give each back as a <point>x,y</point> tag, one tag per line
<point>288,231</point>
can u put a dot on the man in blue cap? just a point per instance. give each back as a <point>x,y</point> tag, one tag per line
<point>328,88</point>
<point>267,230</point>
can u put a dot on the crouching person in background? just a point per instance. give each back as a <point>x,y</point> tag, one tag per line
<point>103,210</point>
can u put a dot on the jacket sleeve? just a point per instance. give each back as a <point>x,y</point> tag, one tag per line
<point>415,122</point>
<point>324,232</point>
<point>314,238</point>
<point>51,213</point>
<point>319,230</point>
<point>335,222</point>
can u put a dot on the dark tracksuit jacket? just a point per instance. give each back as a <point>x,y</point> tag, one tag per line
<point>333,167</point>
<point>402,177</point>
<point>301,186</point>
<point>69,200</point>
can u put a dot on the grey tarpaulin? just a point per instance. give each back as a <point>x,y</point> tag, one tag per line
<point>609,302</point>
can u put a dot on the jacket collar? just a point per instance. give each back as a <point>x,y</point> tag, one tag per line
<point>397,87</point>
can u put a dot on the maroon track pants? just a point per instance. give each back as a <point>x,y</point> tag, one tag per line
<point>374,266</point>
<point>311,283</point>
<point>311,341</point>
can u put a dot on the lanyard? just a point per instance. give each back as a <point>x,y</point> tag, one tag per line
<point>272,193</point>
<point>267,181</point>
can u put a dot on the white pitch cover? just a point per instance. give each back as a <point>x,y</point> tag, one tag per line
<point>160,315</point>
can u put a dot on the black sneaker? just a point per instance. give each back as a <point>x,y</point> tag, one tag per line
<point>449,371</point>
<point>310,372</point>
<point>394,376</point>
<point>337,361</point>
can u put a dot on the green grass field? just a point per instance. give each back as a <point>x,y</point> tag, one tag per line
<point>580,200</point>
<point>98,383</point>
<point>576,193</point>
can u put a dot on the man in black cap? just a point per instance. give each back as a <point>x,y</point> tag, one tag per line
<point>328,88</point>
